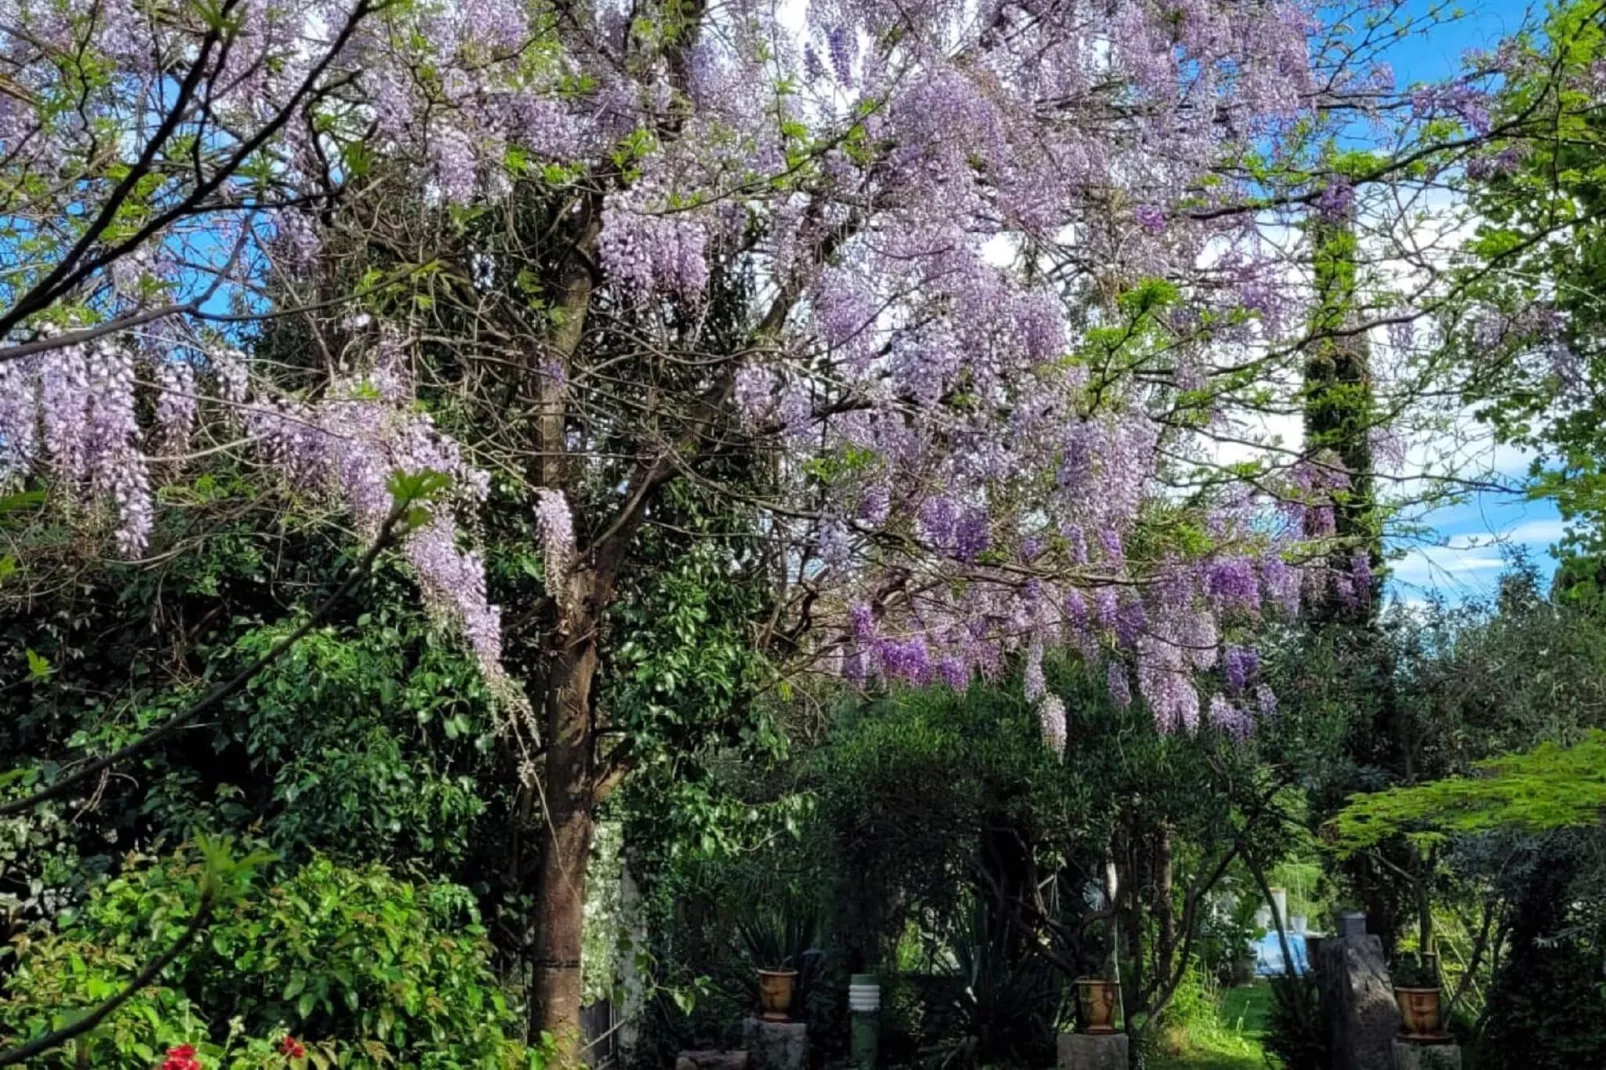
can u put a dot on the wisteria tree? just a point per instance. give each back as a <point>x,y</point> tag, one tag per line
<point>929,321</point>
<point>1532,295</point>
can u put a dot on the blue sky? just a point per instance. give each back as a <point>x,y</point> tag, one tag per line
<point>1436,52</point>
<point>1463,557</point>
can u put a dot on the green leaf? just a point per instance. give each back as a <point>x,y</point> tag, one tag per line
<point>1549,787</point>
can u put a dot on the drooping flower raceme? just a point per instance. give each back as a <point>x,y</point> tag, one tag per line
<point>349,444</point>
<point>556,526</point>
<point>71,411</point>
<point>1051,713</point>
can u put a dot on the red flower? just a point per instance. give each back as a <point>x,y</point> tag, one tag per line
<point>291,1048</point>
<point>182,1058</point>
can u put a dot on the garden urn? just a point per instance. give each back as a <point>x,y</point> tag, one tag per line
<point>775,994</point>
<point>1097,998</point>
<point>1419,1012</point>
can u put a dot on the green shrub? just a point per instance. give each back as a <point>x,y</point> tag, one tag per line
<point>1414,971</point>
<point>1547,1007</point>
<point>1296,1035</point>
<point>1012,1003</point>
<point>362,969</point>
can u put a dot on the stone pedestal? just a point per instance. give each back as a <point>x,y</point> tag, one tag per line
<point>1363,1020</point>
<point>776,1045</point>
<point>712,1060</point>
<point>1092,1051</point>
<point>1412,1055</point>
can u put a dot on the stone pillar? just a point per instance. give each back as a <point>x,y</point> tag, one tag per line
<point>632,947</point>
<point>776,1045</point>
<point>1357,1001</point>
<point>1412,1055</point>
<point>1093,1051</point>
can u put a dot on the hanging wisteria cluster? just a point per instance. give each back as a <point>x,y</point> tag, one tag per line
<point>950,204</point>
<point>349,445</point>
<point>70,410</point>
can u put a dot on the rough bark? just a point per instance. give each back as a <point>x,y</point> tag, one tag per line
<point>575,286</point>
<point>1164,909</point>
<point>568,792</point>
<point>568,796</point>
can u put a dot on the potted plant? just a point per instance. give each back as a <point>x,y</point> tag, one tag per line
<point>1097,998</point>
<point>775,988</point>
<point>999,1004</point>
<point>783,946</point>
<point>1417,990</point>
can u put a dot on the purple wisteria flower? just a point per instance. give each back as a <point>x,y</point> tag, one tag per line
<point>862,619</point>
<point>1335,201</point>
<point>1234,584</point>
<point>1239,667</point>
<point>1230,718</point>
<point>841,45</point>
<point>952,670</point>
<point>176,405</point>
<point>1051,715</point>
<point>1032,683</point>
<point>556,526</point>
<point>938,518</point>
<point>1075,610</point>
<point>904,659</point>
<point>1130,620</point>
<point>971,537</point>
<point>1076,541</point>
<point>1119,688</point>
<point>1106,604</point>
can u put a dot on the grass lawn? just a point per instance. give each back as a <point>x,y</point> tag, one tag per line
<point>1232,1042</point>
<point>1247,1010</point>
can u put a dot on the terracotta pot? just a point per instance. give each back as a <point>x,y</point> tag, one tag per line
<point>1419,1012</point>
<point>1097,999</point>
<point>775,993</point>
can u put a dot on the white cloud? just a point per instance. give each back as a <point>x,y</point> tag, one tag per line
<point>1537,531</point>
<point>1472,564</point>
<point>1446,568</point>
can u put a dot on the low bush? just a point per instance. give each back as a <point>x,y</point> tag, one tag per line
<point>349,966</point>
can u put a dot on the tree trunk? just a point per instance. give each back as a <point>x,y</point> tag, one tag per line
<point>1424,907</point>
<point>1130,878</point>
<point>568,791</point>
<point>555,988</point>
<point>1164,910</point>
